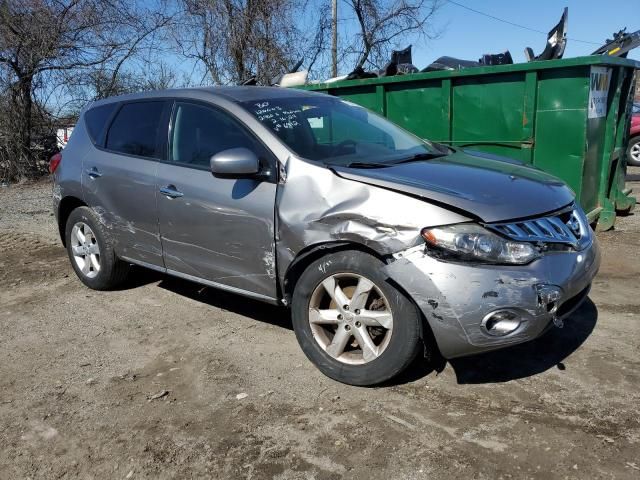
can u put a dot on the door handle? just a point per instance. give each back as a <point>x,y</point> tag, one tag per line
<point>93,173</point>
<point>171,191</point>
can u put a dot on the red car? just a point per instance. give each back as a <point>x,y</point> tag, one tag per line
<point>633,151</point>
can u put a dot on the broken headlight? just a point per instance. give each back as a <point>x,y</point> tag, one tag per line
<point>469,241</point>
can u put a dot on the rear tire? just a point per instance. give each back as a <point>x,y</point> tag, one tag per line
<point>379,316</point>
<point>90,249</point>
<point>633,152</point>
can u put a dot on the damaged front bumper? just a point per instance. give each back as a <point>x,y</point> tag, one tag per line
<point>462,302</point>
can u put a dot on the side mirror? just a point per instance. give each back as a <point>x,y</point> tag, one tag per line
<point>235,163</point>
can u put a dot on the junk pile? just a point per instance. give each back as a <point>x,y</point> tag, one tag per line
<point>401,61</point>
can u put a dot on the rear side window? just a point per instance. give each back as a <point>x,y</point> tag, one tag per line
<point>96,118</point>
<point>135,129</point>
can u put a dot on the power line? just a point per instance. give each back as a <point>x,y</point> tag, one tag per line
<point>516,24</point>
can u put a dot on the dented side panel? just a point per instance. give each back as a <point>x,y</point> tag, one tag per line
<point>221,230</point>
<point>315,206</point>
<point>124,198</point>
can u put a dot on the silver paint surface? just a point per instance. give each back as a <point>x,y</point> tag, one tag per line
<point>243,235</point>
<point>124,198</point>
<point>491,189</point>
<point>221,230</point>
<point>316,206</point>
<point>455,297</point>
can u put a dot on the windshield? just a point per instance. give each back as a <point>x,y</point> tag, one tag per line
<point>338,133</point>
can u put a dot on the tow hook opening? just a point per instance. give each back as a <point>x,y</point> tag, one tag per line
<point>501,322</point>
<point>549,298</point>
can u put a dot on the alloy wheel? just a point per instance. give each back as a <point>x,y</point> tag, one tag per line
<point>85,249</point>
<point>634,152</point>
<point>350,318</point>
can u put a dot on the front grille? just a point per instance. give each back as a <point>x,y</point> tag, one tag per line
<point>568,227</point>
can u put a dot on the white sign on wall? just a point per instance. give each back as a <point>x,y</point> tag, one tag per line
<point>598,91</point>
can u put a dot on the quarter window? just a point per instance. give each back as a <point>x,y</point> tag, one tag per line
<point>96,118</point>
<point>199,132</point>
<point>135,129</point>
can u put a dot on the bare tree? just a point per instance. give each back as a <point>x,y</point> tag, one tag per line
<point>318,48</point>
<point>383,23</point>
<point>237,39</point>
<point>44,43</point>
<point>106,82</point>
<point>55,55</point>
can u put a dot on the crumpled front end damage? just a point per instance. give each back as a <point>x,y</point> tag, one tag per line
<point>455,298</point>
<point>316,207</point>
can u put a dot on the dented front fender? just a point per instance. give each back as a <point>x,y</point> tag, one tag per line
<point>315,206</point>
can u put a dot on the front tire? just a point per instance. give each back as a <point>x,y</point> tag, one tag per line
<point>633,152</point>
<point>91,252</point>
<point>351,322</point>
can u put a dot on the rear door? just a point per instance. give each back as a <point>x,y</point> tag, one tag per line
<point>217,229</point>
<point>119,178</point>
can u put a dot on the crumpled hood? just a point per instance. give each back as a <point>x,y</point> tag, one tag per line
<point>491,188</point>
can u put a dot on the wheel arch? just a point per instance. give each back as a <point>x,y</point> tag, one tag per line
<point>67,205</point>
<point>311,253</point>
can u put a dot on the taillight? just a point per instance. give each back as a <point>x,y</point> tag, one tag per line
<point>54,162</point>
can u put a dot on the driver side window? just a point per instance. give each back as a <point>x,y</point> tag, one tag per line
<point>199,132</point>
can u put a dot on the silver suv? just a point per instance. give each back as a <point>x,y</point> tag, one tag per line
<point>376,239</point>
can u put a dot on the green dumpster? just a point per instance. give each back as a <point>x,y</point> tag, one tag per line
<point>569,117</point>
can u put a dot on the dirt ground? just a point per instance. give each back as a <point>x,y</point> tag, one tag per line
<point>79,370</point>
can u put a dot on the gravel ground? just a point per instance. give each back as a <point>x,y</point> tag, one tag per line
<point>167,379</point>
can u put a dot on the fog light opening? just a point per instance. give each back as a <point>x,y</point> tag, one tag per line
<point>501,322</point>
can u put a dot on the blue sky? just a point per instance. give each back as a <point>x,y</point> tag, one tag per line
<point>469,35</point>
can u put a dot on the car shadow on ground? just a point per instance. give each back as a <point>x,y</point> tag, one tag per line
<point>247,307</point>
<point>519,361</point>
<point>139,277</point>
<point>531,358</point>
<point>511,363</point>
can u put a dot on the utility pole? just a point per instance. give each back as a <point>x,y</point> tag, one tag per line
<point>334,38</point>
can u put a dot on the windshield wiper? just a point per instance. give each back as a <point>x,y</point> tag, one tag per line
<point>420,156</point>
<point>413,158</point>
<point>366,165</point>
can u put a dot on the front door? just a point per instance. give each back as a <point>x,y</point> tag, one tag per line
<point>217,229</point>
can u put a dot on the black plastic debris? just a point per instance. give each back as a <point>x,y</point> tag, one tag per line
<point>556,41</point>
